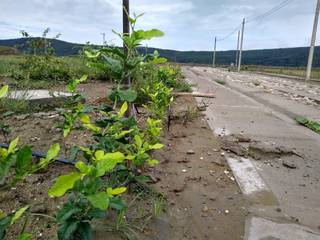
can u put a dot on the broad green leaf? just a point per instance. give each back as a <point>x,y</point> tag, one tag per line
<point>138,141</point>
<point>92,127</point>
<point>92,54</point>
<point>13,145</point>
<point>123,133</point>
<point>108,162</point>
<point>82,79</point>
<point>115,65</point>
<point>123,109</point>
<point>63,184</point>
<point>66,131</point>
<point>128,95</point>
<point>84,118</point>
<point>82,167</point>
<point>159,60</point>
<point>53,152</point>
<point>132,20</point>
<point>4,91</point>
<point>99,155</point>
<point>147,35</point>
<point>99,200</point>
<point>116,191</point>
<point>24,159</point>
<point>153,162</point>
<point>2,214</point>
<point>18,214</point>
<point>156,146</point>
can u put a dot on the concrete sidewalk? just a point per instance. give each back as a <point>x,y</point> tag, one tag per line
<point>285,200</point>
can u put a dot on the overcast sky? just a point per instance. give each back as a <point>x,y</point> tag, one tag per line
<point>188,24</point>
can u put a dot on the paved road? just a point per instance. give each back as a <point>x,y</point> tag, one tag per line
<point>284,188</point>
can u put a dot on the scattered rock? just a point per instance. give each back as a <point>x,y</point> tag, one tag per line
<point>290,165</point>
<point>205,209</point>
<point>190,152</point>
<point>184,161</point>
<point>22,117</point>
<point>217,161</point>
<point>34,139</point>
<point>179,188</point>
<point>242,138</point>
<point>235,148</point>
<point>278,209</point>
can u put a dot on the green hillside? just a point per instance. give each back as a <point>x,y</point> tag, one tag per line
<point>291,57</point>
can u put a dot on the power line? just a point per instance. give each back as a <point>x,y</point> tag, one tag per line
<point>230,34</point>
<point>263,15</point>
<point>271,11</point>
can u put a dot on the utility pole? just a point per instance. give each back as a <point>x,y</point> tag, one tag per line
<point>103,38</point>
<point>238,45</point>
<point>313,41</point>
<point>241,45</point>
<point>214,53</point>
<point>126,32</point>
<point>126,25</point>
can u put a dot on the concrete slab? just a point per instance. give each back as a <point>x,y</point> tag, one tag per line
<point>267,118</point>
<point>262,229</point>
<point>246,175</point>
<point>38,96</point>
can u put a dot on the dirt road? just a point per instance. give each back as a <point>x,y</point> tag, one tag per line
<point>275,161</point>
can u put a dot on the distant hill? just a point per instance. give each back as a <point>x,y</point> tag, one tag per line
<point>291,57</point>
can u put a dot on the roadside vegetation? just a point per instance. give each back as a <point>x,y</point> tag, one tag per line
<point>313,125</point>
<point>112,166</point>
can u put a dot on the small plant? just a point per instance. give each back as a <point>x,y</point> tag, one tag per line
<point>4,128</point>
<point>220,81</point>
<point>8,220</point>
<point>158,206</point>
<point>16,164</point>
<point>313,125</point>
<point>121,65</point>
<point>172,77</point>
<point>89,196</point>
<point>153,130</point>
<point>190,114</point>
<point>160,100</point>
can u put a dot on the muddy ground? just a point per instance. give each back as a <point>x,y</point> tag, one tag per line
<point>201,197</point>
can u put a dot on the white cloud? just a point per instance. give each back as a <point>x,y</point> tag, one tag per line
<point>189,24</point>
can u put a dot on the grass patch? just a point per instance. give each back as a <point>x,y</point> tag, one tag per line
<point>313,125</point>
<point>14,106</point>
<point>9,63</point>
<point>39,72</point>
